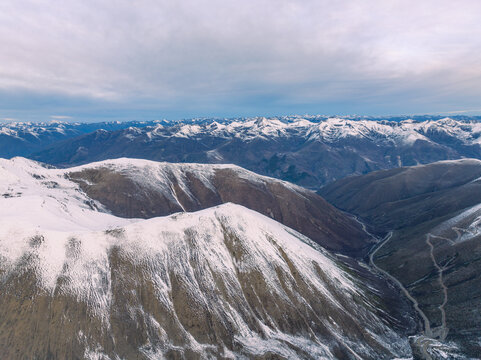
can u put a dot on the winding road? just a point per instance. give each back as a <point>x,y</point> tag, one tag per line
<point>443,328</point>
<point>423,341</point>
<point>427,340</point>
<point>427,325</point>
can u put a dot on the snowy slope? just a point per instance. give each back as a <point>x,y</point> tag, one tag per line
<point>433,213</point>
<point>143,188</point>
<point>161,176</point>
<point>35,196</point>
<point>225,281</point>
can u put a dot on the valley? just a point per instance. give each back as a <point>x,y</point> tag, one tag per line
<point>240,180</point>
<point>434,254</point>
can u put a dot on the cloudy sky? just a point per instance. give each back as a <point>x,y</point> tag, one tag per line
<point>153,59</point>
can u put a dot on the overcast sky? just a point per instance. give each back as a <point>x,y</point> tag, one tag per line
<point>153,59</point>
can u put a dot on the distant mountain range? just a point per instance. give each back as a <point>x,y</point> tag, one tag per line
<point>23,138</point>
<point>308,151</point>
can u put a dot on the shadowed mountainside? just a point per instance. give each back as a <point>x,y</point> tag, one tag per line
<point>435,250</point>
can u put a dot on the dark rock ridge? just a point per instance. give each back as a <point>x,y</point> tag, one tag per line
<point>143,189</point>
<point>435,250</point>
<point>310,152</point>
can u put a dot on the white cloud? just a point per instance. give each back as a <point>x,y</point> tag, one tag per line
<point>213,51</point>
<point>60,117</point>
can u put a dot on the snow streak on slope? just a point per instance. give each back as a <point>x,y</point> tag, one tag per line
<point>38,197</point>
<point>36,201</point>
<point>228,247</point>
<point>466,225</point>
<point>161,175</point>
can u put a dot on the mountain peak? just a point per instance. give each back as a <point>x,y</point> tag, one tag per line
<point>198,283</point>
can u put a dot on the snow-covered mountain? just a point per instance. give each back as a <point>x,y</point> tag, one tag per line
<point>143,188</point>
<point>307,151</point>
<point>224,282</point>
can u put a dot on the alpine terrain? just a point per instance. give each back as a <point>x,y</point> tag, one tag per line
<point>144,189</point>
<point>432,217</point>
<point>223,282</point>
<point>182,253</point>
<point>167,191</point>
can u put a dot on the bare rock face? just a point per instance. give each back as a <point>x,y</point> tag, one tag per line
<point>144,189</point>
<point>225,282</point>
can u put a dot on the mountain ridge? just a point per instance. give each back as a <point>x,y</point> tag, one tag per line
<point>142,188</point>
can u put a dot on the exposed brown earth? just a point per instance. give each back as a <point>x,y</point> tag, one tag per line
<point>303,210</point>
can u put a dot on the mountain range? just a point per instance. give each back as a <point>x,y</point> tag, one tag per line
<point>310,151</point>
<point>24,138</point>
<point>291,237</point>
